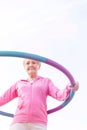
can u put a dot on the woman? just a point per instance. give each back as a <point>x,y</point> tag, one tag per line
<point>31,112</point>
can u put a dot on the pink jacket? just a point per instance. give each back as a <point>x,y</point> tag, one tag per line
<point>32,105</point>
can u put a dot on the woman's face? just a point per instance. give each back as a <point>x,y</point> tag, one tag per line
<point>31,66</point>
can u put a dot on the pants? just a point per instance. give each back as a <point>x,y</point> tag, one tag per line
<point>27,126</point>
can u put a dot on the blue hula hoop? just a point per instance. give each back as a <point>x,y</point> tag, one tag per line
<point>46,61</point>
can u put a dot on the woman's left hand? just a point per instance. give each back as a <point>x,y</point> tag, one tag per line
<point>75,87</point>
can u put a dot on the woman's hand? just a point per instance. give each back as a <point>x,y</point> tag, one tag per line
<point>75,87</point>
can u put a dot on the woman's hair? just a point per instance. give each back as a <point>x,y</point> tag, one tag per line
<point>31,59</point>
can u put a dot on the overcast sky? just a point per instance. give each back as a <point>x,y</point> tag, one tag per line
<point>53,29</point>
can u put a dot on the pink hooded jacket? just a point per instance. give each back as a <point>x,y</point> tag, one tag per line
<point>32,105</point>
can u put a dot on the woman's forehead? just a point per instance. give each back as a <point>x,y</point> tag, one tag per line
<point>31,60</point>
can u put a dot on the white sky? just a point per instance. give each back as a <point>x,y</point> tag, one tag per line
<point>53,29</point>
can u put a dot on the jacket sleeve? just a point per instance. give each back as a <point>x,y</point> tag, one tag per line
<point>58,94</point>
<point>10,94</point>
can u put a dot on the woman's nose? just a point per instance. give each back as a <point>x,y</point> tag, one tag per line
<point>30,64</point>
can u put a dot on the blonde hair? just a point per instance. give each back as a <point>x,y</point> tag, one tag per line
<point>31,59</point>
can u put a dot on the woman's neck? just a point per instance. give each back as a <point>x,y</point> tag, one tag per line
<point>31,78</point>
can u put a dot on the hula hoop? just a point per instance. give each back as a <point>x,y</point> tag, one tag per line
<point>46,61</point>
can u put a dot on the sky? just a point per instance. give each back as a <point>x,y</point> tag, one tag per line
<point>53,29</point>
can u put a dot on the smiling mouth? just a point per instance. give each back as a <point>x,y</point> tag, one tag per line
<point>31,69</point>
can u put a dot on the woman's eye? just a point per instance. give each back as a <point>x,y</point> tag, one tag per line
<point>33,63</point>
<point>27,63</point>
